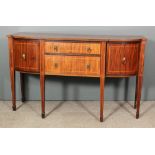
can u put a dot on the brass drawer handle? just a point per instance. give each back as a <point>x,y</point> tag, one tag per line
<point>24,56</point>
<point>124,60</point>
<point>89,50</point>
<point>55,65</point>
<point>88,66</point>
<point>56,48</point>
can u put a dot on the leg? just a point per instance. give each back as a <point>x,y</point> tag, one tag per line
<point>140,76</point>
<point>42,87</point>
<point>138,96</point>
<point>136,92</point>
<point>101,98</point>
<point>13,89</point>
<point>12,72</point>
<point>22,86</point>
<point>102,78</point>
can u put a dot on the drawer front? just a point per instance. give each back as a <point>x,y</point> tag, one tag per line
<point>26,55</point>
<point>122,59</point>
<point>72,65</point>
<point>72,48</point>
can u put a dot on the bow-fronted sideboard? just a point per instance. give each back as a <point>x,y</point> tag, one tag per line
<point>76,55</point>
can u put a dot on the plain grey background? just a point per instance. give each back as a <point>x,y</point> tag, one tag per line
<point>75,88</point>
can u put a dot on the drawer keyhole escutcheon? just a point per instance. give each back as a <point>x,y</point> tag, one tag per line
<point>124,60</point>
<point>56,48</point>
<point>88,66</point>
<point>24,56</point>
<point>89,50</point>
<point>55,65</point>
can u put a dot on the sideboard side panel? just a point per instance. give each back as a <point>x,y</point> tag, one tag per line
<point>141,58</point>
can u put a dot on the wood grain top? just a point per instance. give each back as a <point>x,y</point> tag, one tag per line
<point>69,37</point>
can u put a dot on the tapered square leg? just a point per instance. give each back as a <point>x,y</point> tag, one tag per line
<point>101,98</point>
<point>22,87</point>
<point>42,76</point>
<point>12,73</point>
<point>102,79</point>
<point>140,77</point>
<point>42,87</point>
<point>13,89</point>
<point>135,103</point>
<point>138,94</point>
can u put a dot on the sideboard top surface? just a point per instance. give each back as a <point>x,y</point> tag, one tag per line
<point>69,37</point>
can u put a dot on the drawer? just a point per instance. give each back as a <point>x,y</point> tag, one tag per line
<point>72,65</point>
<point>122,59</point>
<point>71,47</point>
<point>26,55</point>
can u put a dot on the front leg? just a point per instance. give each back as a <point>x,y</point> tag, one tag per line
<point>135,104</point>
<point>13,89</point>
<point>12,72</point>
<point>140,76</point>
<point>101,98</point>
<point>42,76</point>
<point>102,79</point>
<point>138,96</point>
<point>42,87</point>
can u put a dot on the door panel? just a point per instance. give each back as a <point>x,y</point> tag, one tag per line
<point>122,59</point>
<point>26,55</point>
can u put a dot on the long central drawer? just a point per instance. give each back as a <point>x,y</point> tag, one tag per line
<point>72,65</point>
<point>72,47</point>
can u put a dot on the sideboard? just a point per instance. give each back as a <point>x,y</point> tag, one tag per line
<point>76,55</point>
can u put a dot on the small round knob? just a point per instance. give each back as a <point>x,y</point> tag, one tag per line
<point>88,66</point>
<point>24,56</point>
<point>89,50</point>
<point>55,48</point>
<point>124,60</point>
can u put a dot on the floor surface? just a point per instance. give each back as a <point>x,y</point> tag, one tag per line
<point>76,114</point>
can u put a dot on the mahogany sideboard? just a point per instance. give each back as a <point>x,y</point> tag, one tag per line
<point>76,55</point>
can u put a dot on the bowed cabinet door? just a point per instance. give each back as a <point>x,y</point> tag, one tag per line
<point>122,59</point>
<point>26,55</point>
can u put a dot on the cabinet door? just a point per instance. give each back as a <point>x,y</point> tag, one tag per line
<point>26,55</point>
<point>122,59</point>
